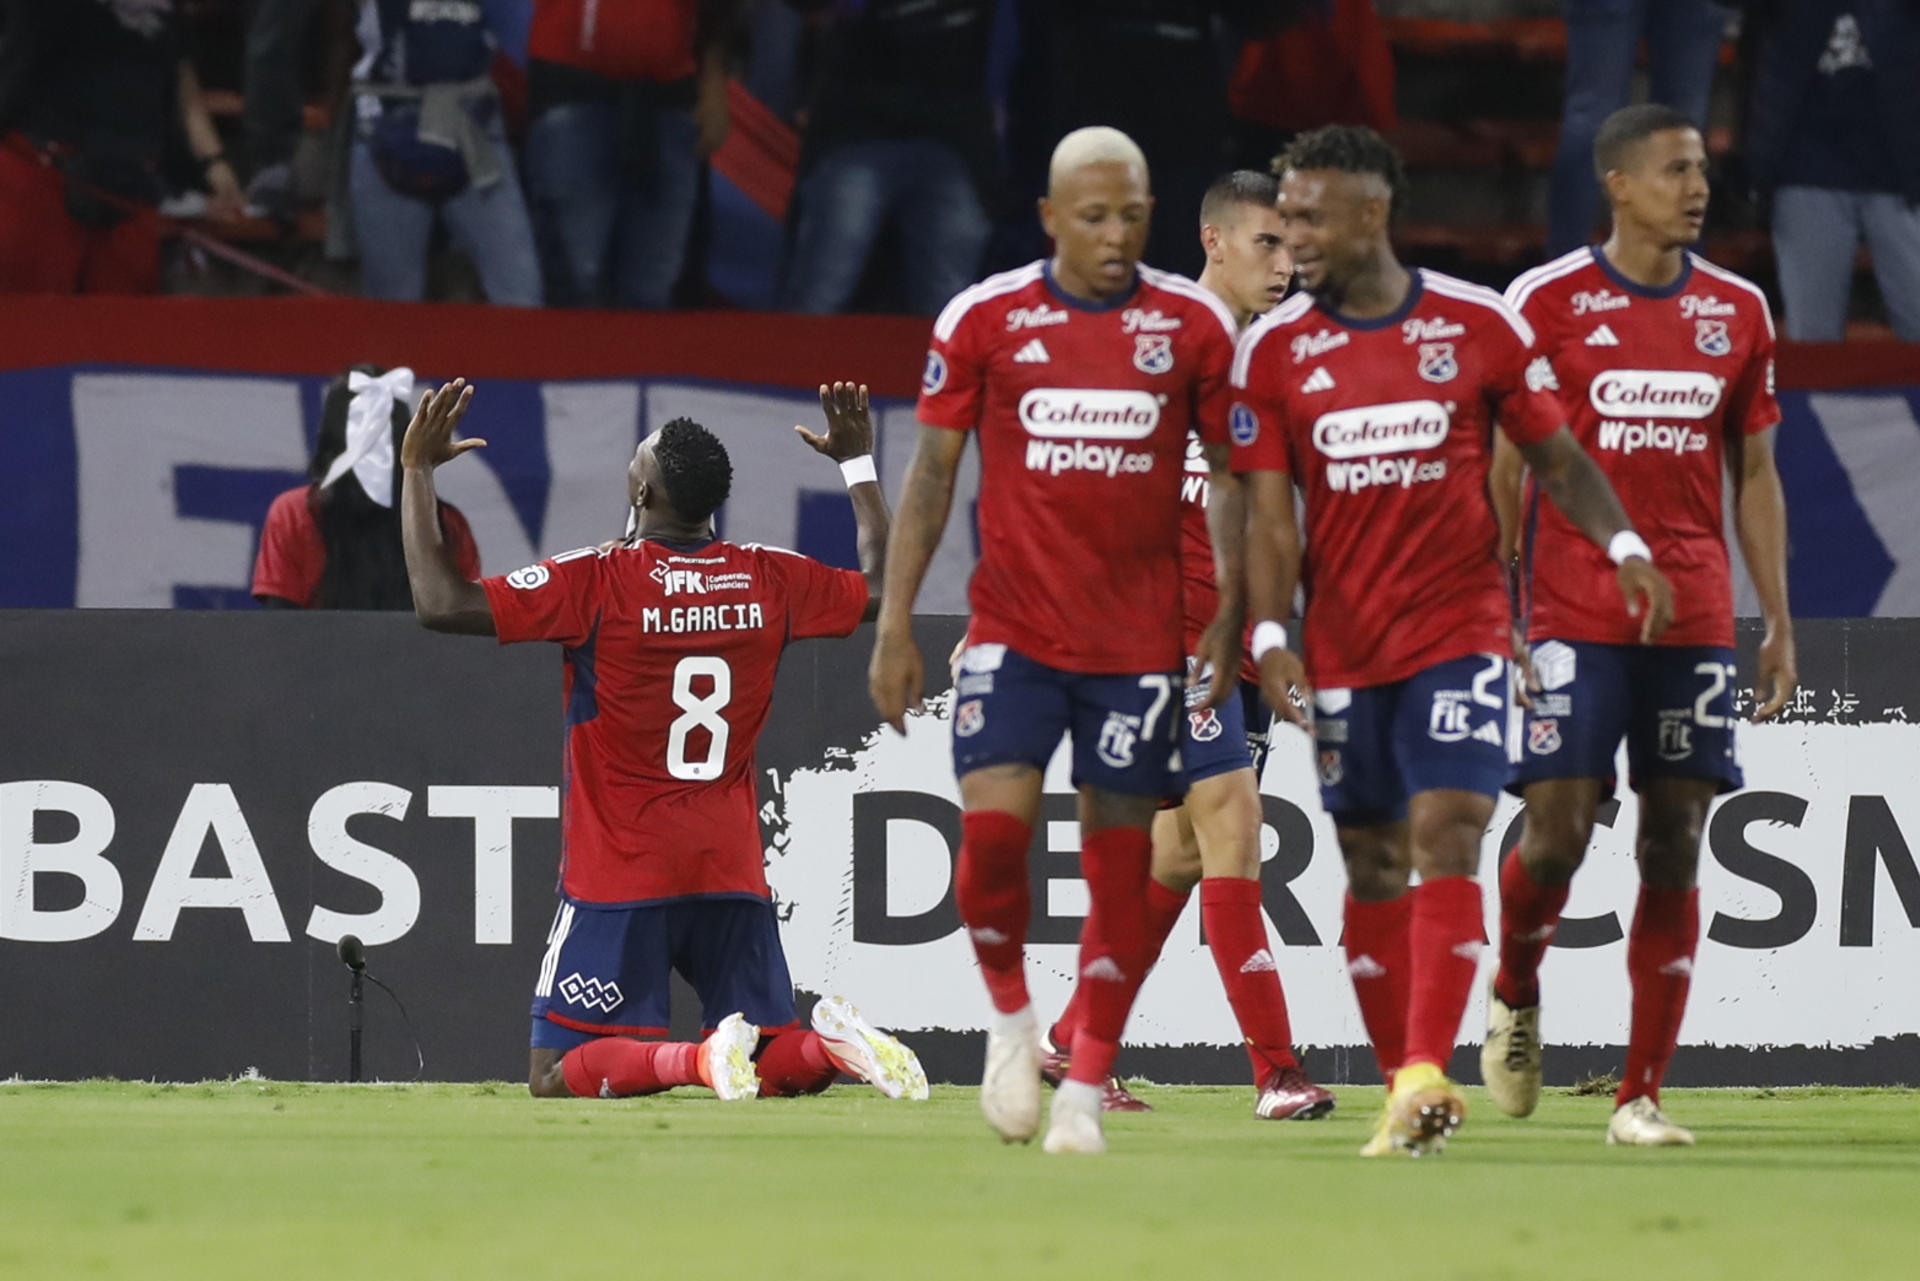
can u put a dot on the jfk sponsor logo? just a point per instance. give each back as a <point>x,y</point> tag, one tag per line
<point>1307,346</point>
<point>1137,320</point>
<point>1069,422</point>
<point>1588,301</point>
<point>674,582</point>
<point>1037,317</point>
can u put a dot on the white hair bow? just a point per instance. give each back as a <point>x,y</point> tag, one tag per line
<point>369,451</point>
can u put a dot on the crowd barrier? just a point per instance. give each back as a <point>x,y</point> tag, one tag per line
<point>195,805</point>
<point>141,440</point>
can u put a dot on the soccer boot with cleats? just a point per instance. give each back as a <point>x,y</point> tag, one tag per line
<point>1510,1059</point>
<point>726,1059</point>
<point>1639,1123</point>
<point>862,1050</point>
<point>1424,1109</point>
<point>1114,1096</point>
<point>1010,1082</point>
<point>1074,1123</point>
<point>1287,1095</point>
<point>1381,1141</point>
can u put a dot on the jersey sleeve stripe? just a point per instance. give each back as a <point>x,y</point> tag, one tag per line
<point>1448,287</point>
<point>1290,310</point>
<point>1177,284</point>
<point>1721,273</point>
<point>1524,284</point>
<point>973,295</point>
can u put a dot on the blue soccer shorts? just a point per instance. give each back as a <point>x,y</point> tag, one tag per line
<point>1672,704</point>
<point>607,966</point>
<point>1232,736</point>
<point>1010,710</point>
<point>1444,727</point>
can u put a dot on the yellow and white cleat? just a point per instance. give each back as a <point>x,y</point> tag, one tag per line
<point>1381,1143</point>
<point>864,1051</point>
<point>726,1058</point>
<point>1424,1109</point>
<point>1074,1125</point>
<point>1010,1082</point>
<point>1510,1059</point>
<point>1639,1123</point>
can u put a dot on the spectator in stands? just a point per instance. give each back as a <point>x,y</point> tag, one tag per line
<point>898,139</point>
<point>334,543</point>
<point>93,93</point>
<point>277,32</point>
<point>626,103</point>
<point>429,143</point>
<point>1833,133</point>
<point>1327,64</point>
<point>1603,37</point>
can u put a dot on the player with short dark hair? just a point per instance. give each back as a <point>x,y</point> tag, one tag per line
<point>1212,837</point>
<point>1377,392</point>
<point>671,644</point>
<point>1668,365</point>
<point>1080,375</point>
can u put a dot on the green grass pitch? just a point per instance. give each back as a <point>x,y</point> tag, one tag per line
<point>276,1181</point>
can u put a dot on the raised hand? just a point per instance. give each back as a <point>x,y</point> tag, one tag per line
<point>849,423</point>
<point>429,440</point>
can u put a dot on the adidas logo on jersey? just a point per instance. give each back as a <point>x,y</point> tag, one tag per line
<point>1260,962</point>
<point>1034,353</point>
<point>1602,337</point>
<point>1318,380</point>
<point>1490,733</point>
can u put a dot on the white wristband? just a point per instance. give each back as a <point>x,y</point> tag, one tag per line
<point>1627,543</point>
<point>859,471</point>
<point>1267,635</point>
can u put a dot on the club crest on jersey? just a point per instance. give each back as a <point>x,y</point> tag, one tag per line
<point>1543,737</point>
<point>1331,770</point>
<point>1437,364</point>
<point>1243,424</point>
<point>1710,336</point>
<point>969,719</point>
<point>1203,726</point>
<point>934,377</point>
<point>1152,353</point>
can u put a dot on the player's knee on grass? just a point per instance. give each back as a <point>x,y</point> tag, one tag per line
<point>1673,811</point>
<point>1176,853</point>
<point>545,1079</point>
<point>1376,859</point>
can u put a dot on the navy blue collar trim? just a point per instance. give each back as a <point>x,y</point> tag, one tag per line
<point>1635,287</point>
<point>675,545</point>
<point>1083,304</point>
<point>1415,288</point>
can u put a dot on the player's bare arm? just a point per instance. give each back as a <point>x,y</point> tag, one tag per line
<point>1219,645</point>
<point>442,599</point>
<point>1760,522</point>
<point>1579,489</point>
<point>897,677</point>
<point>849,439</point>
<point>1505,484</point>
<point>1273,569</point>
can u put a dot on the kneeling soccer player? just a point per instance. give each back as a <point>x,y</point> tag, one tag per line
<point>672,640</point>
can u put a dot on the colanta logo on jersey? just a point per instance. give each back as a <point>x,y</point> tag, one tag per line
<point>1370,435</point>
<point>1652,395</point>
<point>1070,422</point>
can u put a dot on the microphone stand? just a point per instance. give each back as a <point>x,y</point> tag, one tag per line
<point>355,1009</point>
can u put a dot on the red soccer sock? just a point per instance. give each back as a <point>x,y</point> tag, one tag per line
<point>613,1067</point>
<point>990,890</point>
<point>1529,914</point>
<point>1113,947</point>
<point>1444,940</point>
<point>794,1062</point>
<point>1660,948</point>
<point>1237,935</point>
<point>1378,962</point>
<point>1164,907</point>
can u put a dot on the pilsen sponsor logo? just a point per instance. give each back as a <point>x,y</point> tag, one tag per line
<point>1036,317</point>
<point>1693,306</point>
<point>1307,346</point>
<point>1137,320</point>
<point>1588,301</point>
<point>1430,329</point>
<point>1398,428</point>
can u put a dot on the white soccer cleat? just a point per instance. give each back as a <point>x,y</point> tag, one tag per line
<point>1010,1084</point>
<point>1639,1123</point>
<point>726,1058</point>
<point>1510,1059</point>
<point>864,1051</point>
<point>1074,1125</point>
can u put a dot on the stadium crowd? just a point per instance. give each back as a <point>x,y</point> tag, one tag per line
<point>585,153</point>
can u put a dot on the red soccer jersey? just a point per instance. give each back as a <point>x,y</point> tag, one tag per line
<point>1082,414</point>
<point>1387,427</point>
<point>670,657</point>
<point>1655,381</point>
<point>293,555</point>
<point>1199,586</point>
